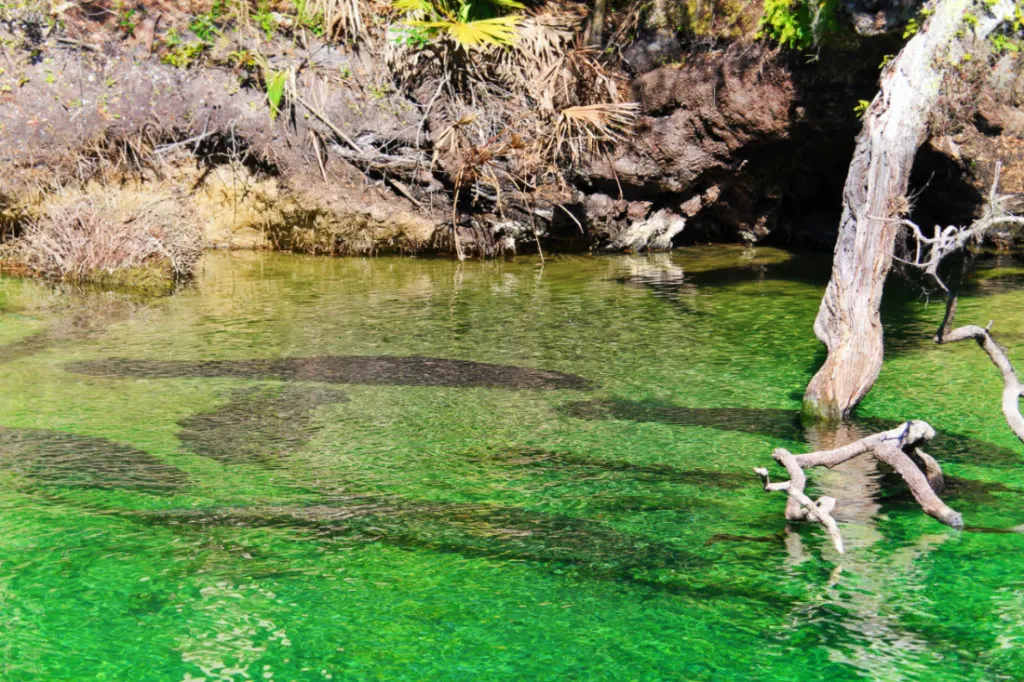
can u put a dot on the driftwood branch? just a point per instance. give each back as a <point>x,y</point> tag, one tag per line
<point>929,253</point>
<point>1012,387</point>
<point>900,448</point>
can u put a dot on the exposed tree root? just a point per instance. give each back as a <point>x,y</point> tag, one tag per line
<point>899,448</point>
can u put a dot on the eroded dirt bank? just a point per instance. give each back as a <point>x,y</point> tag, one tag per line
<point>277,134</point>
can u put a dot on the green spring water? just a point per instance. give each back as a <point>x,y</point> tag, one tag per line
<point>307,469</point>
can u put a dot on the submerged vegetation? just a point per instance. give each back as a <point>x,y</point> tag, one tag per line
<point>284,471</point>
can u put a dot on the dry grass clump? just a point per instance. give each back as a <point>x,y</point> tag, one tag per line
<point>93,235</point>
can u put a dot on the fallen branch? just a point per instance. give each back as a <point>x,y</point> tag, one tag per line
<point>1012,387</point>
<point>929,252</point>
<point>899,448</point>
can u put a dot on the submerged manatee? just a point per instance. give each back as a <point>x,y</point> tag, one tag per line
<point>65,459</point>
<point>258,425</point>
<point>374,370</point>
<point>578,546</point>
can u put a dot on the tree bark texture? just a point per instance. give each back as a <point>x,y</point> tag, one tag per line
<point>895,125</point>
<point>593,35</point>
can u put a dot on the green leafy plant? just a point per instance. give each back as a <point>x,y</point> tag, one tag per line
<point>470,24</point>
<point>172,38</point>
<point>861,108</point>
<point>185,55</point>
<point>914,24</point>
<point>206,26</point>
<point>1011,36</point>
<point>1002,43</point>
<point>264,19</point>
<point>311,17</point>
<point>125,18</point>
<point>799,24</point>
<point>276,82</point>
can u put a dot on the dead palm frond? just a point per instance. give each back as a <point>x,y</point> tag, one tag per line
<point>582,130</point>
<point>342,18</point>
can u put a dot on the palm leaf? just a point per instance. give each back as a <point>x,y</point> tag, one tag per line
<point>414,6</point>
<point>498,31</point>
<point>507,4</point>
<point>583,129</point>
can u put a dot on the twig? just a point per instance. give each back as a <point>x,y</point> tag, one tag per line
<point>327,122</point>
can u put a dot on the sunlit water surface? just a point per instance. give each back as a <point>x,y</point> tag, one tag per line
<point>304,469</point>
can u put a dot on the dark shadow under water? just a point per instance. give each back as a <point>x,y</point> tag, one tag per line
<point>576,466</point>
<point>567,546</point>
<point>781,425</point>
<point>381,370</point>
<point>259,425</point>
<point>69,460</point>
<point>28,346</point>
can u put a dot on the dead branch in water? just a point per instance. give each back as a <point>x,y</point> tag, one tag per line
<point>1012,387</point>
<point>900,448</point>
<point>929,252</point>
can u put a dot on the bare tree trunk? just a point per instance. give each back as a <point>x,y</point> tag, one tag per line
<point>895,125</point>
<point>594,33</point>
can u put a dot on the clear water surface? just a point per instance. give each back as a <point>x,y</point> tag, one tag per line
<point>306,469</point>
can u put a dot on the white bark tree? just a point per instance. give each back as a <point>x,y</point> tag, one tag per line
<point>895,125</point>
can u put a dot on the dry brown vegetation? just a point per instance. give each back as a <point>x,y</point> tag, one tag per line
<point>95,233</point>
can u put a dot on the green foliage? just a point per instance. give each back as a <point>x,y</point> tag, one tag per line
<point>861,108</point>
<point>276,82</point>
<point>172,38</point>
<point>915,23</point>
<point>243,59</point>
<point>1010,37</point>
<point>469,23</point>
<point>125,18</point>
<point>185,55</point>
<point>265,19</point>
<point>310,18</point>
<point>206,26</point>
<point>799,24</point>
<point>1002,43</point>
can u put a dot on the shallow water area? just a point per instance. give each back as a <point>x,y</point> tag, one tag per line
<point>303,468</point>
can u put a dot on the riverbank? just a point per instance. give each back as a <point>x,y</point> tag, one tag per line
<point>315,129</point>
